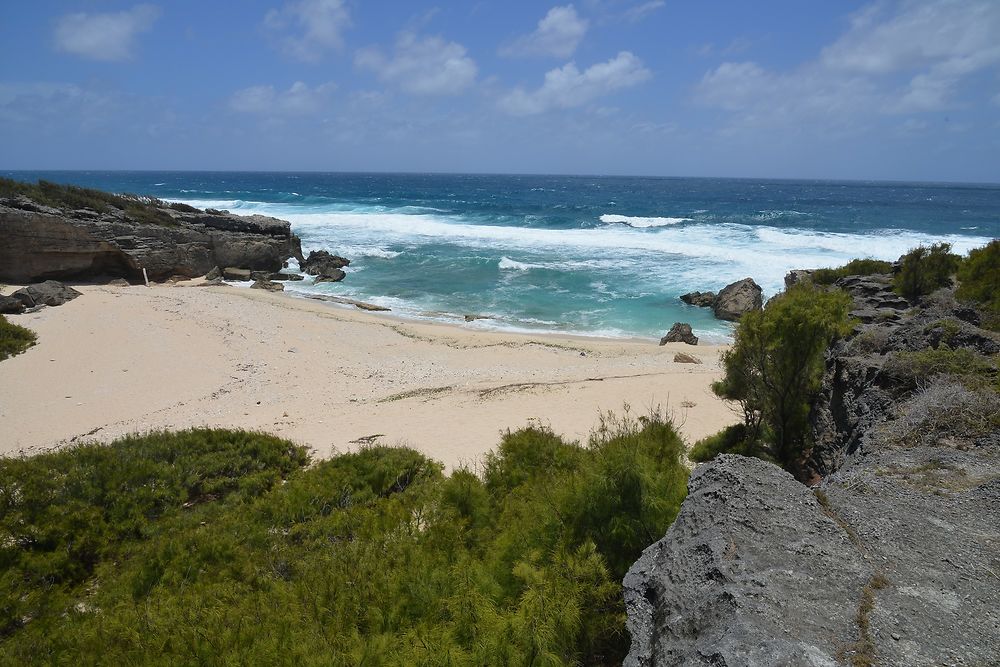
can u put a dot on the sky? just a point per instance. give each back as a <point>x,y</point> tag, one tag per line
<point>887,90</point>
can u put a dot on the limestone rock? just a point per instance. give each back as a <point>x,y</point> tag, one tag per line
<point>267,285</point>
<point>335,276</point>
<point>680,333</point>
<point>797,276</point>
<point>685,358</point>
<point>321,262</point>
<point>48,293</point>
<point>738,298</point>
<point>702,299</point>
<point>119,282</point>
<point>10,305</point>
<point>234,273</point>
<point>214,274</point>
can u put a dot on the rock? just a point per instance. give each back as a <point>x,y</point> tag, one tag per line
<point>796,276</point>
<point>473,318</point>
<point>286,276</point>
<point>10,305</point>
<point>267,285</point>
<point>685,358</point>
<point>41,242</point>
<point>702,299</point>
<point>738,298</point>
<point>349,302</point>
<point>335,276</point>
<point>321,262</point>
<point>119,282</point>
<point>233,273</point>
<point>48,293</point>
<point>680,333</point>
<point>214,274</point>
<point>714,591</point>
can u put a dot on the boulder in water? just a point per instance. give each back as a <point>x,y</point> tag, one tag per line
<point>738,298</point>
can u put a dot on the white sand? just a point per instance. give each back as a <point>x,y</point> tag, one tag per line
<point>120,360</point>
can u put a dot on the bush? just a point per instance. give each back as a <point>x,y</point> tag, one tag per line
<point>775,366</point>
<point>221,547</point>
<point>979,281</point>
<point>923,270</point>
<point>14,339</point>
<point>730,440</point>
<point>916,369</point>
<point>856,267</point>
<point>145,210</point>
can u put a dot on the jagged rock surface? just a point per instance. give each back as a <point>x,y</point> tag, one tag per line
<point>48,293</point>
<point>44,243</point>
<point>680,333</point>
<point>701,299</point>
<point>894,560</point>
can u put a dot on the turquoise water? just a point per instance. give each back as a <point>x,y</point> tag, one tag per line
<point>604,256</point>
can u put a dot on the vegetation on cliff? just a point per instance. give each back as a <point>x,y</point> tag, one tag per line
<point>216,546</point>
<point>146,210</point>
<point>14,339</point>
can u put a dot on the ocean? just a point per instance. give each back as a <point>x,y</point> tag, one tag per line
<point>599,256</point>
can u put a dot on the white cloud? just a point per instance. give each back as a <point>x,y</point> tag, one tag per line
<point>110,36</point>
<point>566,86</point>
<point>913,60</point>
<point>558,34</point>
<point>299,99</point>
<point>422,65</point>
<point>307,29</point>
<point>639,12</point>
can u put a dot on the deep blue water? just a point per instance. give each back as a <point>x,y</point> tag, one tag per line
<point>596,255</point>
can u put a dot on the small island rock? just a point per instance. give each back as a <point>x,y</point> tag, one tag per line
<point>320,262</point>
<point>738,298</point>
<point>680,333</point>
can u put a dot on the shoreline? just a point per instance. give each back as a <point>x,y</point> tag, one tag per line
<point>120,360</point>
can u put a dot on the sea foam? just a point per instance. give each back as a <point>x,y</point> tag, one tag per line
<point>640,222</point>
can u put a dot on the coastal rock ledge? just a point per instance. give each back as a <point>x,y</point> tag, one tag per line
<point>41,242</point>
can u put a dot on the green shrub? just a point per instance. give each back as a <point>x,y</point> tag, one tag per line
<point>916,369</point>
<point>856,267</point>
<point>211,547</point>
<point>730,440</point>
<point>979,281</point>
<point>145,210</point>
<point>775,366</point>
<point>923,270</point>
<point>14,339</point>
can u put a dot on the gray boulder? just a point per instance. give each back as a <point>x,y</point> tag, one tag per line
<point>234,273</point>
<point>267,285</point>
<point>321,262</point>
<point>797,276</point>
<point>334,276</point>
<point>685,358</point>
<point>10,305</point>
<point>48,293</point>
<point>738,298</point>
<point>680,333</point>
<point>214,274</point>
<point>702,299</point>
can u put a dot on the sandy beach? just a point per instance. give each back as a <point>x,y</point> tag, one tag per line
<point>124,359</point>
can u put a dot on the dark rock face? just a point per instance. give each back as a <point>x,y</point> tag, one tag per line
<point>874,300</point>
<point>738,298</point>
<point>42,242</point>
<point>10,305</point>
<point>713,592</point>
<point>48,293</point>
<point>680,333</point>
<point>702,299</point>
<point>320,262</point>
<point>334,276</point>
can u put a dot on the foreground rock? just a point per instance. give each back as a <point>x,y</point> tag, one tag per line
<point>9,305</point>
<point>738,298</point>
<point>892,560</point>
<point>267,285</point>
<point>680,333</point>
<point>41,242</point>
<point>48,293</point>
<point>335,276</point>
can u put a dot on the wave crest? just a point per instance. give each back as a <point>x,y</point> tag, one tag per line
<point>640,222</point>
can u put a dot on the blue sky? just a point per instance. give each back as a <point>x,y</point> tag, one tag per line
<point>905,90</point>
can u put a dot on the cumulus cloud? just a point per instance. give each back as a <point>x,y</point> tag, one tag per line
<point>299,99</point>
<point>421,65</point>
<point>307,29</point>
<point>558,34</point>
<point>912,60</point>
<point>104,36</point>
<point>566,86</point>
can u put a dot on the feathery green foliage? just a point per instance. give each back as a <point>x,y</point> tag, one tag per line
<point>14,339</point>
<point>979,282</point>
<point>923,270</point>
<point>774,370</point>
<point>145,210</point>
<point>855,267</point>
<point>224,547</point>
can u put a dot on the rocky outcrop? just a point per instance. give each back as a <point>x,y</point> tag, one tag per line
<point>680,333</point>
<point>685,358</point>
<point>797,276</point>
<point>890,560</point>
<point>334,276</point>
<point>48,293</point>
<point>40,242</point>
<point>321,262</point>
<point>701,299</point>
<point>738,298</point>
